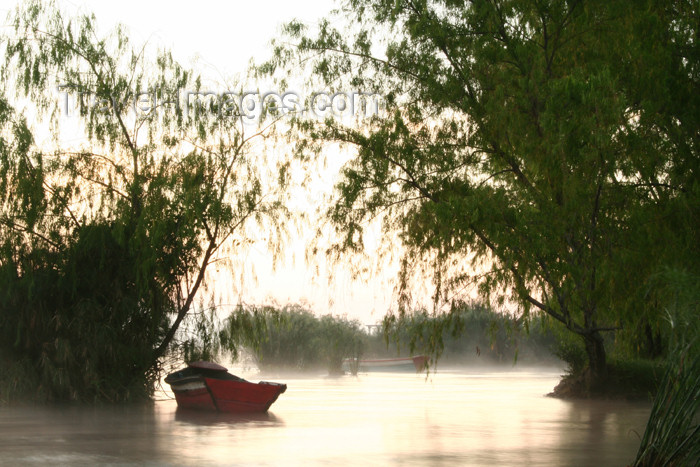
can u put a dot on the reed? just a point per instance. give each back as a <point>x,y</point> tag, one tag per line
<point>672,435</point>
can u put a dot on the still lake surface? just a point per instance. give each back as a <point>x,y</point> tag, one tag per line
<point>453,417</point>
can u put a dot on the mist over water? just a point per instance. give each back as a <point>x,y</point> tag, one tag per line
<point>455,417</point>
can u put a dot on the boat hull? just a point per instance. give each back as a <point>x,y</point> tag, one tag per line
<point>238,396</point>
<point>408,364</point>
<point>194,397</point>
<point>199,389</point>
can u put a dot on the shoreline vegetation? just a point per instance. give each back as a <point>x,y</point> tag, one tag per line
<point>294,339</point>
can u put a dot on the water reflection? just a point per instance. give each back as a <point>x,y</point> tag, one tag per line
<point>589,426</point>
<point>196,417</point>
<point>453,418</point>
<point>77,435</point>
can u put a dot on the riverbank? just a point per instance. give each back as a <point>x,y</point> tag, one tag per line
<point>631,380</point>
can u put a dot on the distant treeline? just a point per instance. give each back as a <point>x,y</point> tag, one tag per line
<point>293,337</point>
<point>473,333</point>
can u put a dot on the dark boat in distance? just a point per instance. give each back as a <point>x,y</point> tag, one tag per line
<point>209,386</point>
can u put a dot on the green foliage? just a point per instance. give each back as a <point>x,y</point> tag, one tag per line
<point>82,323</point>
<point>247,328</point>
<point>550,148</point>
<point>340,338</point>
<point>105,245</point>
<point>293,338</point>
<point>673,432</point>
<point>572,352</point>
<point>470,333</point>
<point>201,338</point>
<point>635,379</point>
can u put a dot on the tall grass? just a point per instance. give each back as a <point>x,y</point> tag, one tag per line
<point>672,435</point>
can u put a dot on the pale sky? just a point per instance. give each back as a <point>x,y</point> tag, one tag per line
<point>225,34</point>
<point>220,37</point>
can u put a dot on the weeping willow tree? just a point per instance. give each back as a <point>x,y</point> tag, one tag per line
<point>106,243</point>
<point>292,337</point>
<point>541,152</point>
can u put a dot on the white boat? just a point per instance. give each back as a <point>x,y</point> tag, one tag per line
<point>405,364</point>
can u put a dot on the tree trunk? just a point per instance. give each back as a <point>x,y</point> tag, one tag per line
<point>595,349</point>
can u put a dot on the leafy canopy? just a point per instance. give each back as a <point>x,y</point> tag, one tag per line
<point>526,147</point>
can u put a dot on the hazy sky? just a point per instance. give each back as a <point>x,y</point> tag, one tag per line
<point>225,34</point>
<point>220,37</point>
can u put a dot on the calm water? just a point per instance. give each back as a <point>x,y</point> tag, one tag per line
<point>453,418</point>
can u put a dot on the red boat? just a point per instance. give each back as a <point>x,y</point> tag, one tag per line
<point>209,386</point>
